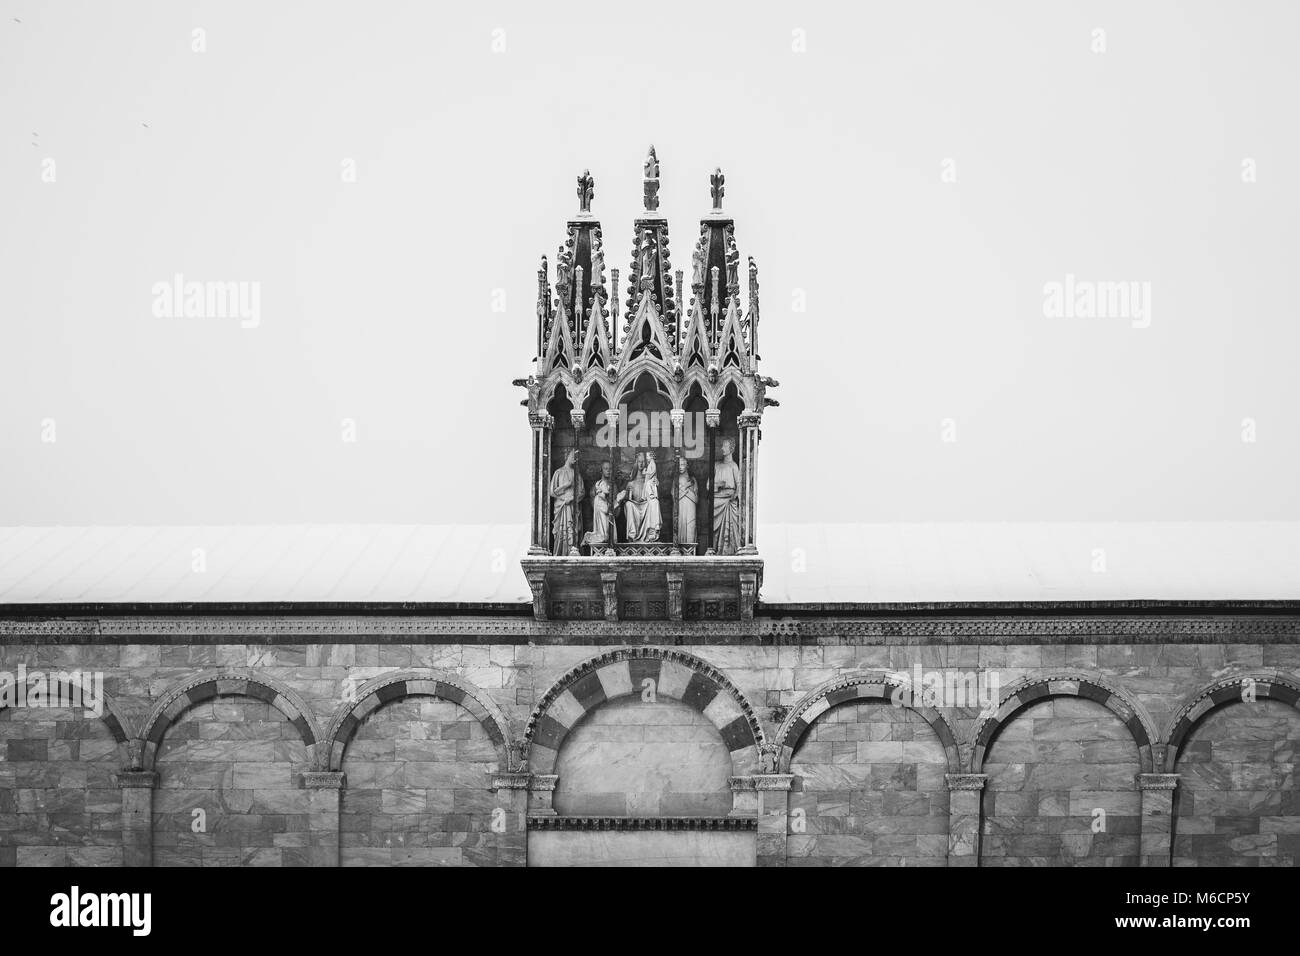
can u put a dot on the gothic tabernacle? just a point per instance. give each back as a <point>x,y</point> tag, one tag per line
<point>646,432</point>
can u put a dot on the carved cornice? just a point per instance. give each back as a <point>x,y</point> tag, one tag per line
<point>966,781</point>
<point>510,781</point>
<point>237,628</point>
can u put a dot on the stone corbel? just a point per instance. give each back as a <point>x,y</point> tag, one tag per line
<point>609,587</point>
<point>748,594</point>
<point>537,584</point>
<point>675,581</point>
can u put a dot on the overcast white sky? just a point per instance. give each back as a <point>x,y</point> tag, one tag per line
<point>924,297</point>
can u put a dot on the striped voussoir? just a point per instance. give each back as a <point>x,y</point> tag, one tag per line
<point>868,687</point>
<point>61,690</point>
<point>673,674</point>
<point>223,684</point>
<point>1032,690</point>
<point>1255,686</point>
<point>404,685</point>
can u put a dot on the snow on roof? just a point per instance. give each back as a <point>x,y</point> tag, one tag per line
<point>805,563</point>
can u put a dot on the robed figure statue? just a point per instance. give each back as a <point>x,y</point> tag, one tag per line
<point>566,491</point>
<point>641,512</point>
<point>688,497</point>
<point>726,502</point>
<point>603,502</point>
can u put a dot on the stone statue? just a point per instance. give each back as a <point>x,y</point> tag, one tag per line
<point>688,497</point>
<point>603,503</point>
<point>586,191</point>
<point>598,270</point>
<point>641,512</point>
<point>697,266</point>
<point>717,189</point>
<point>726,502</point>
<point>647,258</point>
<point>651,182</point>
<point>651,164</point>
<point>566,488</point>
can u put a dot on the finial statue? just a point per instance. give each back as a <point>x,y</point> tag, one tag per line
<point>647,261</point>
<point>733,269</point>
<point>586,191</point>
<point>651,181</point>
<point>598,270</point>
<point>697,267</point>
<point>717,182</point>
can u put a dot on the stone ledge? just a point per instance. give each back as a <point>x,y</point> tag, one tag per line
<point>739,823</point>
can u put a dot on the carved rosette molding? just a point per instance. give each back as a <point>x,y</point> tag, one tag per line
<point>674,824</point>
<point>1157,781</point>
<point>966,781</point>
<point>900,630</point>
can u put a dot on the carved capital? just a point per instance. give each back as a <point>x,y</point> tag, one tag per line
<point>712,417</point>
<point>966,781</point>
<point>750,419</point>
<point>543,781</point>
<point>1157,781</point>
<point>678,416</point>
<point>498,780</point>
<point>578,417</point>
<point>141,779</point>
<point>541,420</point>
<point>323,780</point>
<point>611,418</point>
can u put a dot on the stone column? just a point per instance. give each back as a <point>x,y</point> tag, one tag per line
<point>964,793</point>
<point>678,416</point>
<point>579,420</point>
<point>324,793</point>
<point>510,817</point>
<point>1157,789</point>
<point>766,795</point>
<point>712,419</point>
<point>540,536</point>
<point>137,816</point>
<point>749,422</point>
